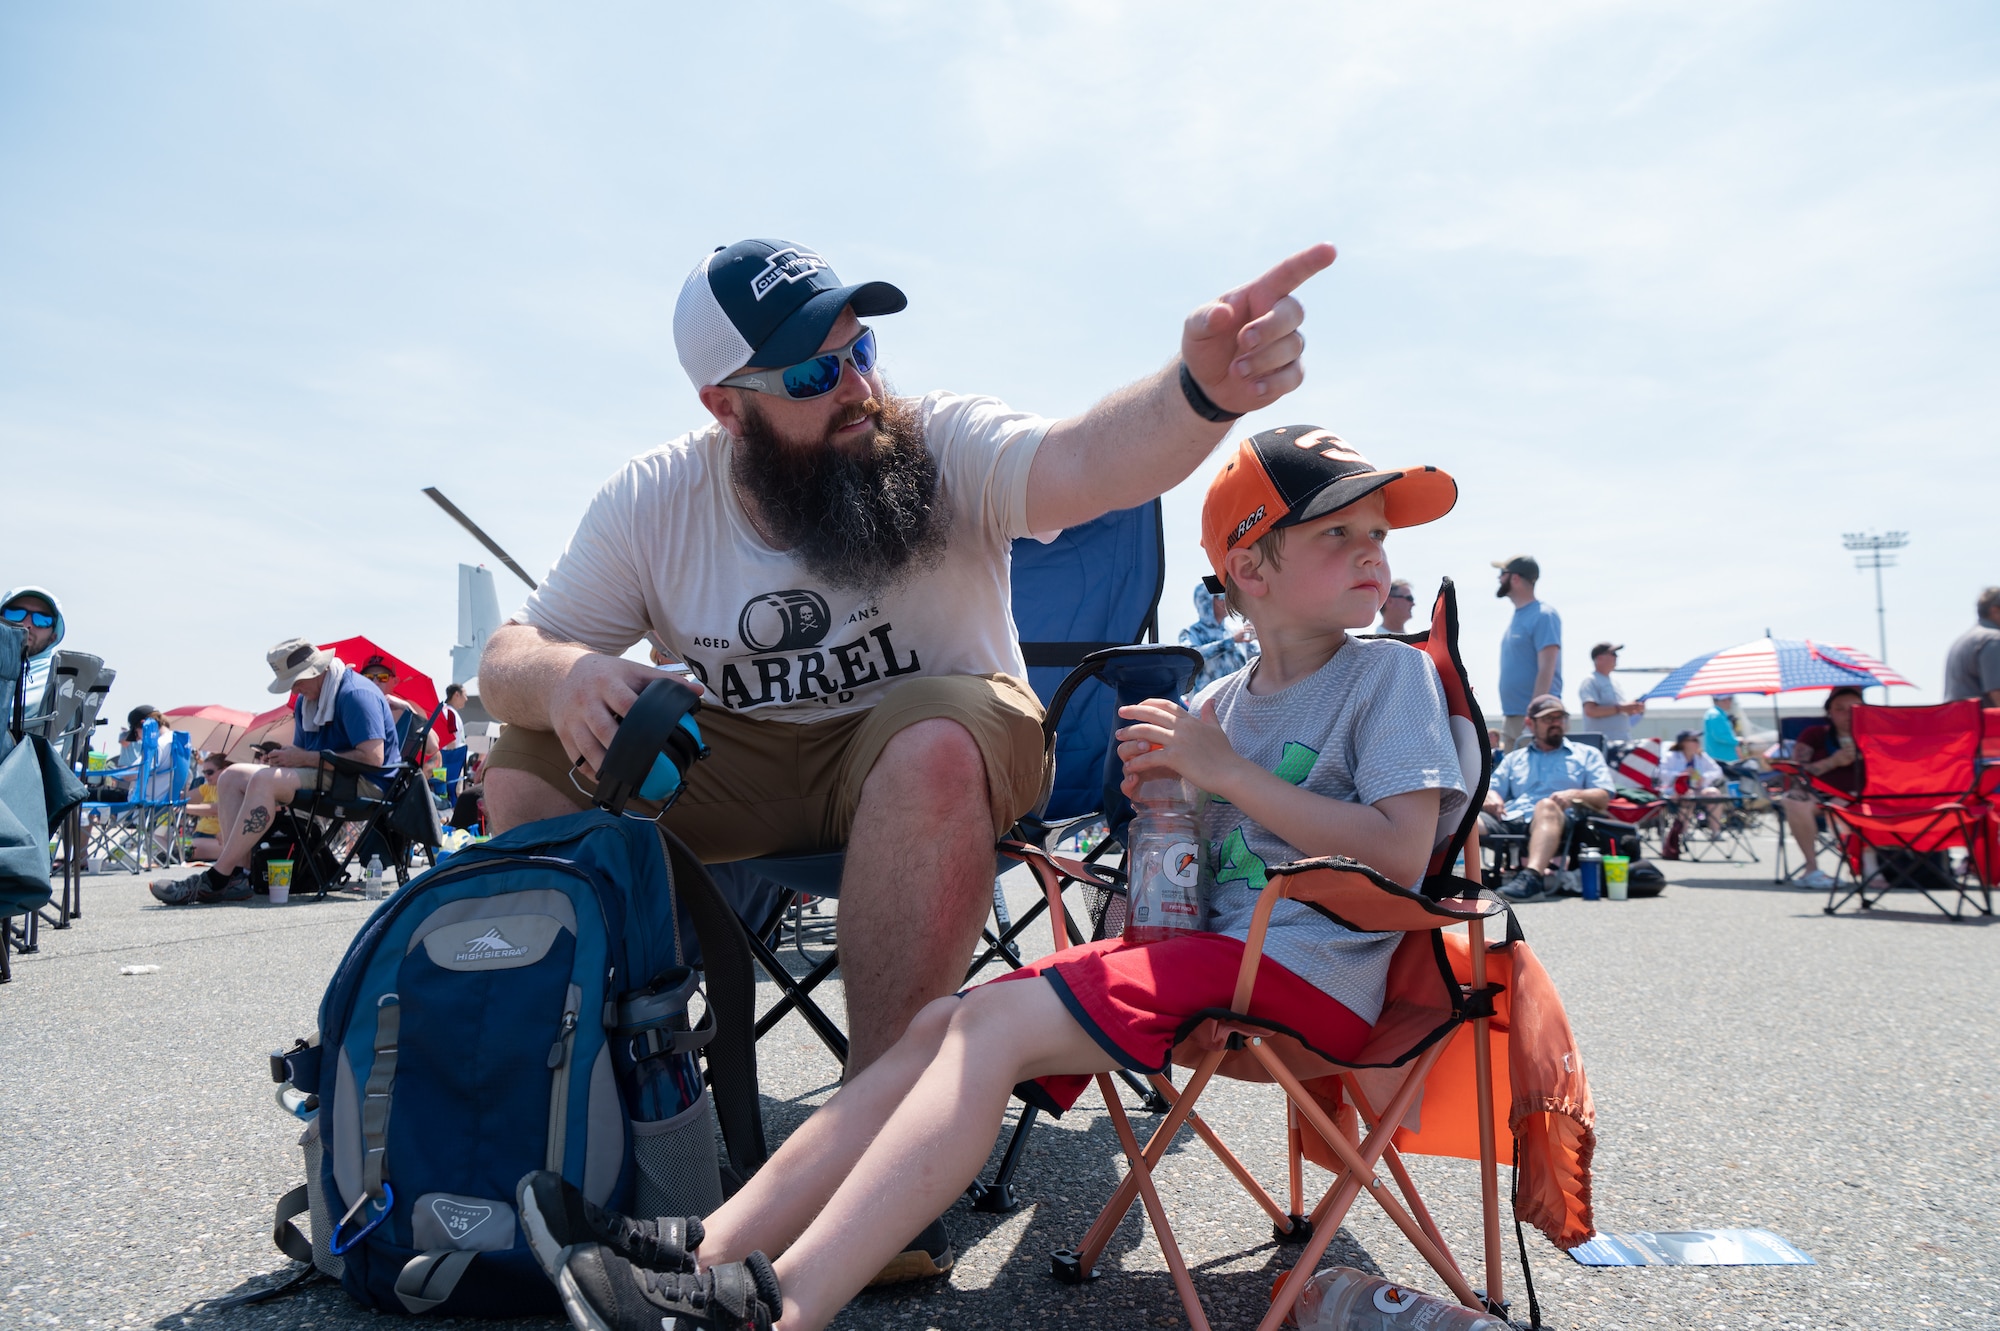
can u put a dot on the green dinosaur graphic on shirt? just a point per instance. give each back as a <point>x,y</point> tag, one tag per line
<point>1235,862</point>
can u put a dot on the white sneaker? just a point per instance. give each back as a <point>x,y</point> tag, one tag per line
<point>1815,880</point>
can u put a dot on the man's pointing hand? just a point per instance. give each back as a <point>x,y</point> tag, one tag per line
<point>1243,348</point>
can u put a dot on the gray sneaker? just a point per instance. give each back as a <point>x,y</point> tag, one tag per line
<point>179,891</point>
<point>1526,885</point>
<point>237,888</point>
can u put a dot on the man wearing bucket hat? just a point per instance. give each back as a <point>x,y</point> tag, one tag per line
<point>334,710</point>
<point>830,560</point>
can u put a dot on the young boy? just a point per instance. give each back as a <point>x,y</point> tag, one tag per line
<point>1325,745</point>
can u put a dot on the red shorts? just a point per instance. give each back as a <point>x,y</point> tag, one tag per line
<point>1138,1000</point>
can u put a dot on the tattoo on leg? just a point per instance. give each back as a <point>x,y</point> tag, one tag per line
<point>258,820</point>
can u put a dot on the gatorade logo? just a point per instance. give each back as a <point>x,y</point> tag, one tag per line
<point>1395,1300</point>
<point>1182,863</point>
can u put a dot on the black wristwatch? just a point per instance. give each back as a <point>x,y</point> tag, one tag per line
<point>1200,401</point>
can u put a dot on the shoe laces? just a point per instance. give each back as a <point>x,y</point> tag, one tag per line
<point>641,1238</point>
<point>675,1286</point>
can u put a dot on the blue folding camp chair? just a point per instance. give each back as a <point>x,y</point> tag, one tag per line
<point>1093,589</point>
<point>139,830</point>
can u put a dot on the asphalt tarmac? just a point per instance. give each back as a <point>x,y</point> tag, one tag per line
<point>1754,1063</point>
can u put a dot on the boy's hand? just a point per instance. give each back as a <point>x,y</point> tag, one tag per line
<point>1166,740</point>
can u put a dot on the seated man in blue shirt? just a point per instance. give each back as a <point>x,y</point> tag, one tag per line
<point>1535,787</point>
<point>335,711</point>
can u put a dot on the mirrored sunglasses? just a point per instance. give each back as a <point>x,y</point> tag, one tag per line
<point>20,614</point>
<point>810,378</point>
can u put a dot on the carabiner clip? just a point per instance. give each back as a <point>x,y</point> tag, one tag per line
<point>333,1243</point>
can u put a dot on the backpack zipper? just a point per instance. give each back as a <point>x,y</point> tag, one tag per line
<point>559,1057</point>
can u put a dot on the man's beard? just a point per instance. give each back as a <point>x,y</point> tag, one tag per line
<point>858,521</point>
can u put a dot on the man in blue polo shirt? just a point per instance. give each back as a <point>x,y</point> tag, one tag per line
<point>1531,650</point>
<point>335,711</point>
<point>1534,788</point>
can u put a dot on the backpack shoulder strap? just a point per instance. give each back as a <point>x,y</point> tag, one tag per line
<point>732,993</point>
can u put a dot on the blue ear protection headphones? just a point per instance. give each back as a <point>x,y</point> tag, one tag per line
<point>657,742</point>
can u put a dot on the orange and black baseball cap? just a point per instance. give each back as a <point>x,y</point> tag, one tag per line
<point>1296,473</point>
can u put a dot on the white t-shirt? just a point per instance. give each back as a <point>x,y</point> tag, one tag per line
<point>666,550</point>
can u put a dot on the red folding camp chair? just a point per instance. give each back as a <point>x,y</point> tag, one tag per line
<point>1472,1050</point>
<point>1921,798</point>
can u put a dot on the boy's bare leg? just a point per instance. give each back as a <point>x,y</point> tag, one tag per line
<point>887,1184</point>
<point>781,1199</point>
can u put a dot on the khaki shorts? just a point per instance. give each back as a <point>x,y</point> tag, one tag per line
<point>780,788</point>
<point>1510,731</point>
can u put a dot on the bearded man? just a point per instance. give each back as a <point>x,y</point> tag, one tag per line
<point>831,561</point>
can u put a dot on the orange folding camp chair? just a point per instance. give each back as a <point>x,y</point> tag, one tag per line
<point>1471,1050</point>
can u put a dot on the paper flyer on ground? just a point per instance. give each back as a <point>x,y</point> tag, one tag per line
<point>1692,1247</point>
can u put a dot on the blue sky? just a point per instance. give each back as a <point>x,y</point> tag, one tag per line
<point>1679,292</point>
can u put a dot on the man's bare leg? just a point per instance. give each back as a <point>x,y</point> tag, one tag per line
<point>266,790</point>
<point>918,883</point>
<point>229,791</point>
<point>514,797</point>
<point>1544,835</point>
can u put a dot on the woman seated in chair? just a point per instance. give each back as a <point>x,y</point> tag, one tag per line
<point>1686,771</point>
<point>1327,744</point>
<point>1827,754</point>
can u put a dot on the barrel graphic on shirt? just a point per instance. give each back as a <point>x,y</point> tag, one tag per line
<point>784,621</point>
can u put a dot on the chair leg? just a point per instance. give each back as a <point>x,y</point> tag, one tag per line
<point>1279,1218</point>
<point>794,994</point>
<point>1357,1101</point>
<point>1359,1171</point>
<point>1489,1171</point>
<point>1099,1234</point>
<point>997,1197</point>
<point>1142,1174</point>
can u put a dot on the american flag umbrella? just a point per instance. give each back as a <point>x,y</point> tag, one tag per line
<point>1776,665</point>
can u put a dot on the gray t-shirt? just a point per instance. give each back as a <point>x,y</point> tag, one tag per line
<point>1368,724</point>
<point>1602,690</point>
<point>1972,666</point>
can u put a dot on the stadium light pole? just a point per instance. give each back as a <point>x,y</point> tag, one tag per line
<point>1872,552</point>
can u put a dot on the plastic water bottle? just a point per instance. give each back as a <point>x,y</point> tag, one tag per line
<point>1163,862</point>
<point>1590,868</point>
<point>373,889</point>
<point>1343,1299</point>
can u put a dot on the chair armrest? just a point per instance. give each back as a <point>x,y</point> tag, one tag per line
<point>354,767</point>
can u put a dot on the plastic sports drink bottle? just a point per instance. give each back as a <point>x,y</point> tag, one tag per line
<point>1163,862</point>
<point>1343,1299</point>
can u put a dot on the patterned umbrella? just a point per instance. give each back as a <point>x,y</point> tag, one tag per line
<point>275,725</point>
<point>1776,665</point>
<point>211,729</point>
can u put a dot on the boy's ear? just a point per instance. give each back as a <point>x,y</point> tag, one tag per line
<point>1246,570</point>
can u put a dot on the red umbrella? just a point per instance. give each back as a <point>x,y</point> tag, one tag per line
<point>211,729</point>
<point>412,685</point>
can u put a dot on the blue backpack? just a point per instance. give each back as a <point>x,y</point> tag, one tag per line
<point>522,1006</point>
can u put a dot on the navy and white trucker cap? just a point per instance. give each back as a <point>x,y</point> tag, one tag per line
<point>767,303</point>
